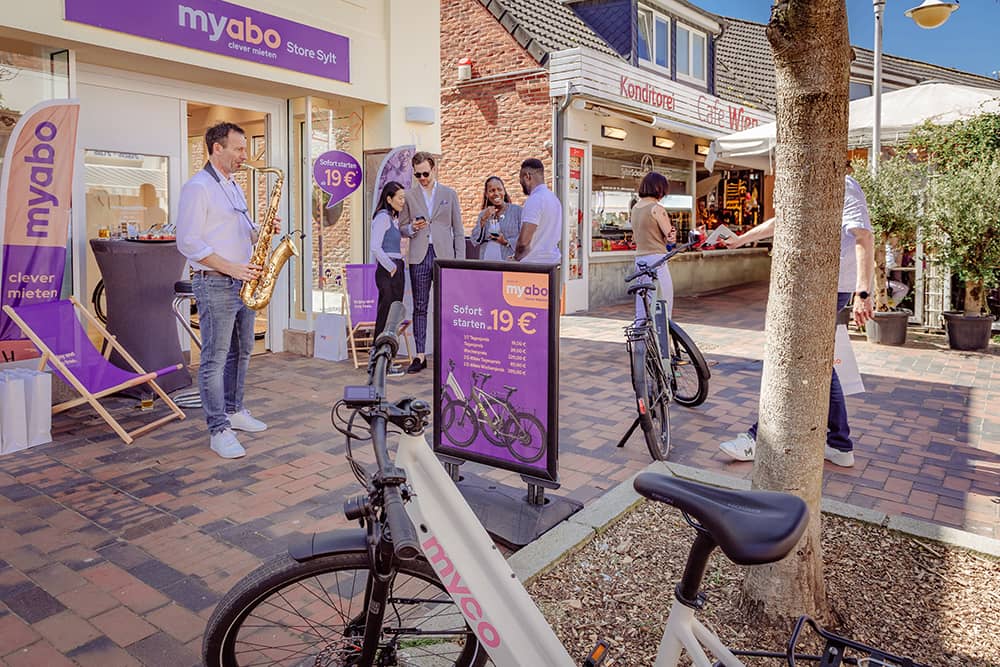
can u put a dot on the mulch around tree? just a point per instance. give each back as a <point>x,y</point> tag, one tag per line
<point>935,603</point>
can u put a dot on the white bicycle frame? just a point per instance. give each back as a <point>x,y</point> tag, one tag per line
<point>497,607</point>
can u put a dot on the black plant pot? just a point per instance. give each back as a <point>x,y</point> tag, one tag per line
<point>968,332</point>
<point>888,328</point>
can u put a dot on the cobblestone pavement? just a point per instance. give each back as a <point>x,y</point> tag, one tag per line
<point>116,555</point>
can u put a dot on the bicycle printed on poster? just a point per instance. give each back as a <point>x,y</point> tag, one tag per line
<point>496,371</point>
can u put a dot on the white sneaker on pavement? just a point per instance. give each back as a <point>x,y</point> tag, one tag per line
<point>740,448</point>
<point>839,457</point>
<point>244,421</point>
<point>226,445</point>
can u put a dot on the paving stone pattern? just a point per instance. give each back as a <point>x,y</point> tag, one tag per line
<point>113,554</point>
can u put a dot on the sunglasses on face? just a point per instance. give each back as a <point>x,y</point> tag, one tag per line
<point>422,174</point>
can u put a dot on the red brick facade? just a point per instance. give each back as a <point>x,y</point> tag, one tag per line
<point>489,128</point>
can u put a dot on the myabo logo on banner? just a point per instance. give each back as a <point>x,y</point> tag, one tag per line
<point>223,28</point>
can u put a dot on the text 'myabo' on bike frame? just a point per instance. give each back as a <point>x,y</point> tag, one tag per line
<point>496,364</point>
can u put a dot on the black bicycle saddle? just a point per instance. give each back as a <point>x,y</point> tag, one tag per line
<point>632,289</point>
<point>751,527</point>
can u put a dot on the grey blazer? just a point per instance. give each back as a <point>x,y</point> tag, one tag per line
<point>445,227</point>
<point>510,227</point>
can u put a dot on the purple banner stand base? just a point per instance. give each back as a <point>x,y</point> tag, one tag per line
<point>514,517</point>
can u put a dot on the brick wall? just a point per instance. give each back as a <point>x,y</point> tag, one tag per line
<point>489,128</point>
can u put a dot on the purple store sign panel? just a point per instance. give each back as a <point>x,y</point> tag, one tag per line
<point>338,174</point>
<point>223,28</point>
<point>496,363</point>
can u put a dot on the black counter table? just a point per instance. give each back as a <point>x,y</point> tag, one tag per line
<point>139,279</point>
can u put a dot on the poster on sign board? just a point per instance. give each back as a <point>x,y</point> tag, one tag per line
<point>496,367</point>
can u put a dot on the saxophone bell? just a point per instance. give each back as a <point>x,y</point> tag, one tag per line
<point>257,293</point>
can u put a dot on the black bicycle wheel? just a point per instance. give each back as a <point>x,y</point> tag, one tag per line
<point>657,407</point>
<point>313,613</point>
<point>651,400</point>
<point>688,368</point>
<point>524,436</point>
<point>462,426</point>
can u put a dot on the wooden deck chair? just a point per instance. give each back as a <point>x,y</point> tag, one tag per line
<point>58,334</point>
<point>360,305</point>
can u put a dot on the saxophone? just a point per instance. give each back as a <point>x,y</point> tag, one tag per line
<point>257,293</point>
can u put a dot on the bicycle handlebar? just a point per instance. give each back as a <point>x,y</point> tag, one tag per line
<point>651,269</point>
<point>404,535</point>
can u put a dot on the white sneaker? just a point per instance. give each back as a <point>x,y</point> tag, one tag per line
<point>244,421</point>
<point>740,448</point>
<point>838,457</point>
<point>225,444</point>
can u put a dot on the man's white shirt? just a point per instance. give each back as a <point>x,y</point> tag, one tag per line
<point>542,208</point>
<point>212,218</point>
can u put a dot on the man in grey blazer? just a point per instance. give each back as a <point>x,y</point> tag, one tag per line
<point>432,219</point>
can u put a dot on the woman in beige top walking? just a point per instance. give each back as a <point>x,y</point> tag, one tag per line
<point>651,231</point>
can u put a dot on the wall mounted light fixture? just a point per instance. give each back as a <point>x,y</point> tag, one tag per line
<point>663,142</point>
<point>700,149</point>
<point>610,132</point>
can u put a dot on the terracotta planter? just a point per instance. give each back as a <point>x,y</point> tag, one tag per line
<point>968,332</point>
<point>888,328</point>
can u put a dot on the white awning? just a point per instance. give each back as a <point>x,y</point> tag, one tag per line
<point>902,110</point>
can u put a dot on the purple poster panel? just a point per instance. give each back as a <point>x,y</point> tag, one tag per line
<point>496,366</point>
<point>223,28</point>
<point>338,174</point>
<point>362,294</point>
<point>396,166</point>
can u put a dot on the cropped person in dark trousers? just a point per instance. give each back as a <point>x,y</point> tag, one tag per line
<point>386,251</point>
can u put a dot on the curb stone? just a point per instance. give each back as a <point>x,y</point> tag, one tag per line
<point>549,549</point>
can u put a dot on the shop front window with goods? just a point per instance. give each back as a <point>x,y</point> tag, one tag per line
<point>615,190</point>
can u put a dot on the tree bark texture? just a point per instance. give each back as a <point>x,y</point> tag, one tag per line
<point>812,60</point>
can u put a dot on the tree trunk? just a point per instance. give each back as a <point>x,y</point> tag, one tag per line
<point>812,60</point>
<point>975,297</point>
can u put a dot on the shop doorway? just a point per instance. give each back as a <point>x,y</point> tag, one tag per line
<point>257,188</point>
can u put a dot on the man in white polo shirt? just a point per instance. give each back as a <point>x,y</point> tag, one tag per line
<point>216,234</point>
<point>541,218</point>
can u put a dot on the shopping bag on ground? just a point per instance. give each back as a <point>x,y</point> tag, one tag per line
<point>38,405</point>
<point>331,337</point>
<point>846,364</point>
<point>13,423</point>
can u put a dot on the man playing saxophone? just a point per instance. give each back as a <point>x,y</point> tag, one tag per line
<point>216,233</point>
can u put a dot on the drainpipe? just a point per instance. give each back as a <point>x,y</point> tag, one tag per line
<point>559,130</point>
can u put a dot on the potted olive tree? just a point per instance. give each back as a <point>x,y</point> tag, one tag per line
<point>962,221</point>
<point>893,199</point>
<point>962,228</point>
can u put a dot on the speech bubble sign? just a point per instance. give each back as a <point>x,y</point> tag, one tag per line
<point>338,174</point>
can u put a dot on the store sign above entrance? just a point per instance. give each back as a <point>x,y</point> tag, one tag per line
<point>223,28</point>
<point>603,77</point>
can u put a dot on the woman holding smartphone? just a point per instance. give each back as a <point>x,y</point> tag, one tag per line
<point>385,248</point>
<point>498,224</point>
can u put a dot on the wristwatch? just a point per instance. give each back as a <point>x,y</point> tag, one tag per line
<point>863,294</point>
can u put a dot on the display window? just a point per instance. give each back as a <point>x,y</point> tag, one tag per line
<point>736,200</point>
<point>614,191</point>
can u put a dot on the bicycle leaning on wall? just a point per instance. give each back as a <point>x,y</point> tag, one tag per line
<point>421,583</point>
<point>655,346</point>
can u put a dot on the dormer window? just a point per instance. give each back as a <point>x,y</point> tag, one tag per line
<point>654,39</point>
<point>692,53</point>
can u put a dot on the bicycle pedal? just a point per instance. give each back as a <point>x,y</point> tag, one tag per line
<point>597,656</point>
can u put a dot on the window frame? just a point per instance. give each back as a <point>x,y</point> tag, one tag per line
<point>654,16</point>
<point>681,76</point>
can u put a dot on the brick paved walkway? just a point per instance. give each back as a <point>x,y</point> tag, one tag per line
<point>116,555</point>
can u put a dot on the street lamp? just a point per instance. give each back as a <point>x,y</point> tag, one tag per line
<point>930,14</point>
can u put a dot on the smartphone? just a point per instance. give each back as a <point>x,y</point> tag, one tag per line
<point>494,235</point>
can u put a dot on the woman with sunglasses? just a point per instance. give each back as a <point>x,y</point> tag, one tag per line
<point>385,248</point>
<point>498,224</point>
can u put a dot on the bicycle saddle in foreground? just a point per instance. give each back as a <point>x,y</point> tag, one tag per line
<point>751,527</point>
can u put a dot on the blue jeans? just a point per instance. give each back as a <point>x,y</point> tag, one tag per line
<point>226,343</point>
<point>838,431</point>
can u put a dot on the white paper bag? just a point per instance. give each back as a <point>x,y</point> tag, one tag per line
<point>38,405</point>
<point>13,423</point>
<point>846,364</point>
<point>331,337</point>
